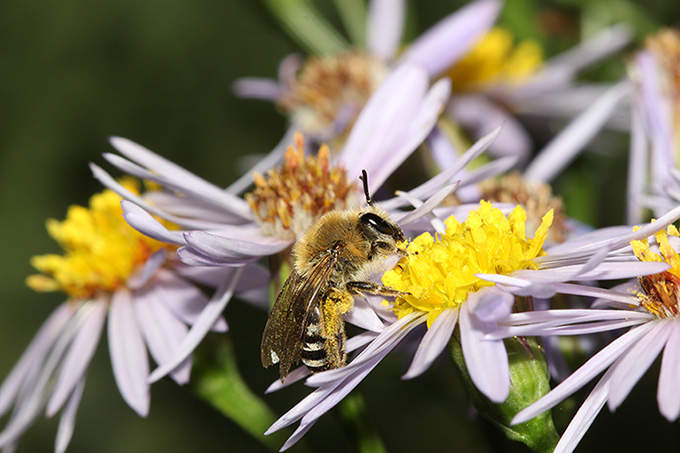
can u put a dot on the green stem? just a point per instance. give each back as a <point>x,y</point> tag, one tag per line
<point>218,382</point>
<point>353,14</point>
<point>352,410</point>
<point>304,24</point>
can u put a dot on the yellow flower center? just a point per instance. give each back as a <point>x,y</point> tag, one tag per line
<point>495,59</point>
<point>660,295</point>
<point>439,273</point>
<point>101,251</point>
<point>289,199</point>
<point>535,197</point>
<point>332,86</point>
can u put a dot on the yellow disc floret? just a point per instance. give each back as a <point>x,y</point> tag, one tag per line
<point>660,295</point>
<point>439,273</point>
<point>495,59</point>
<point>101,250</point>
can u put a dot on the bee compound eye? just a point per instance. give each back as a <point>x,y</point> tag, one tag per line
<point>377,223</point>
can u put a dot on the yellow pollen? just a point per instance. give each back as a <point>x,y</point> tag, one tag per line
<point>288,199</point>
<point>535,197</point>
<point>101,251</point>
<point>660,295</point>
<point>494,60</point>
<point>329,87</point>
<point>439,273</point>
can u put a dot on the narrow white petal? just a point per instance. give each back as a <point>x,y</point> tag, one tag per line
<point>67,421</point>
<point>486,360</point>
<point>362,315</point>
<point>490,304</point>
<point>668,392</point>
<point>162,332</point>
<point>34,354</point>
<point>128,353</point>
<point>143,222</point>
<point>584,374</point>
<point>637,361</point>
<point>637,166</point>
<point>79,355</point>
<point>425,208</point>
<point>256,88</point>
<point>226,248</point>
<point>184,299</point>
<point>433,343</point>
<point>384,27</point>
<point>585,416</point>
<point>449,39</point>
<point>207,319</point>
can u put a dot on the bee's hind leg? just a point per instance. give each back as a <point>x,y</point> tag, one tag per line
<point>373,288</point>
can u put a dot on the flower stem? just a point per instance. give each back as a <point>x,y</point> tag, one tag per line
<point>304,24</point>
<point>216,380</point>
<point>352,410</point>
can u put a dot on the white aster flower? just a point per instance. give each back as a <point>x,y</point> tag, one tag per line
<point>109,271</point>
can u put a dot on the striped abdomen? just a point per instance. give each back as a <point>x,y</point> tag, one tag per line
<point>313,353</point>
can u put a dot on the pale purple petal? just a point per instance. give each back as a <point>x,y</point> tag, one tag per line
<point>668,392</point>
<point>434,184</point>
<point>362,315</point>
<point>78,357</point>
<point>637,361</point>
<point>161,330</point>
<point>584,374</point>
<point>288,69</point>
<point>637,167</point>
<point>453,36</point>
<point>433,343</point>
<point>185,300</point>
<point>174,177</point>
<point>67,420</point>
<point>570,142</point>
<point>384,28</point>
<point>151,266</point>
<point>270,160</point>
<point>228,249</point>
<point>418,128</point>
<point>257,88</point>
<point>490,304</point>
<point>34,354</point>
<point>206,320</point>
<point>425,209</point>
<point>478,114</point>
<point>294,376</point>
<point>385,116</point>
<point>585,416</point>
<point>143,222</point>
<point>128,353</point>
<point>486,360</point>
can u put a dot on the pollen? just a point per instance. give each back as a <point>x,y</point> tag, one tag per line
<point>288,199</point>
<point>660,295</point>
<point>330,91</point>
<point>495,59</point>
<point>535,197</point>
<point>439,272</point>
<point>101,251</point>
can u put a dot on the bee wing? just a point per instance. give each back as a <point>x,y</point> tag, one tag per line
<point>282,337</point>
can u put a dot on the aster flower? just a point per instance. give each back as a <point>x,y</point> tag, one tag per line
<point>107,269</point>
<point>650,306</point>
<point>464,297</point>
<point>323,96</point>
<point>653,180</point>
<point>221,229</point>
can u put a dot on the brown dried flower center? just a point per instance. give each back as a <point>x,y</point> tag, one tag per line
<point>330,91</point>
<point>661,294</point>
<point>665,46</point>
<point>536,198</point>
<point>288,199</point>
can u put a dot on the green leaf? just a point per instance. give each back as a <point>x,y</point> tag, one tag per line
<point>304,24</point>
<point>530,381</point>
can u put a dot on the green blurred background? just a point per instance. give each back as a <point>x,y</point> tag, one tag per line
<point>74,72</point>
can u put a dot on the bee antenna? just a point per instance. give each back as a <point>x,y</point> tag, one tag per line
<point>364,179</point>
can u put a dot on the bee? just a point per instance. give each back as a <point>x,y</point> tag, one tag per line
<point>333,260</point>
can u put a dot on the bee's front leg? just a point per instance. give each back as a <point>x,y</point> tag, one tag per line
<point>373,288</point>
